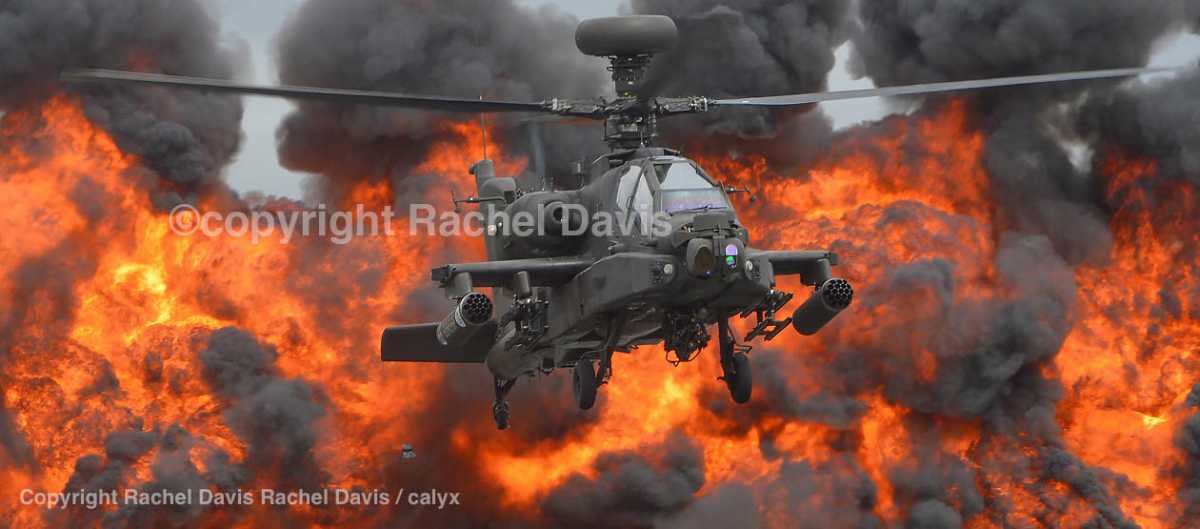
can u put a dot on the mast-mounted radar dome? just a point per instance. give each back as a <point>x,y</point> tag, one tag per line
<point>628,42</point>
<point>626,36</point>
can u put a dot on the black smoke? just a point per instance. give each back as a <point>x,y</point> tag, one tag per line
<point>903,42</point>
<point>802,492</point>
<point>1188,440</point>
<point>277,419</point>
<point>1051,215</point>
<point>733,49</point>
<point>276,416</point>
<point>632,489</point>
<point>470,48</point>
<point>987,351</point>
<point>1157,120</point>
<point>783,394</point>
<point>14,450</point>
<point>464,48</point>
<point>186,138</point>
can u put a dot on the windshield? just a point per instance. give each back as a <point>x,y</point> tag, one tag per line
<point>626,187</point>
<point>684,188</point>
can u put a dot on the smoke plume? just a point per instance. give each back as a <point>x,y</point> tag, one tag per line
<point>274,416</point>
<point>186,138</point>
<point>899,42</point>
<point>465,48</point>
<point>741,49</point>
<point>630,491</point>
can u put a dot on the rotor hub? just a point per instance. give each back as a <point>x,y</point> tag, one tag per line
<point>628,72</point>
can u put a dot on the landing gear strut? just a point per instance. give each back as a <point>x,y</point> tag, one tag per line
<point>735,365</point>
<point>500,405</point>
<point>586,378</point>
<point>584,384</point>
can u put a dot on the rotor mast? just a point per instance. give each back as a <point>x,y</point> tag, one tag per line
<point>635,127</point>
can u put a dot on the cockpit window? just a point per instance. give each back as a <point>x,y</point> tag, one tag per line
<point>643,198</point>
<point>680,175</point>
<point>626,186</point>
<point>684,188</point>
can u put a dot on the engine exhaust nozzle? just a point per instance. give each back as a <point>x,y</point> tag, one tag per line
<point>472,311</point>
<point>830,299</point>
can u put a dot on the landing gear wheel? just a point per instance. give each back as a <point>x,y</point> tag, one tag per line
<point>739,380</point>
<point>584,383</point>
<point>500,414</point>
<point>735,364</point>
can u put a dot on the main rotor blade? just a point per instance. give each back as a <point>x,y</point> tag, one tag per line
<point>930,88</point>
<point>557,120</point>
<point>449,104</point>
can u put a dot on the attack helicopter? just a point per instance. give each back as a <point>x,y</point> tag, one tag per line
<point>569,297</point>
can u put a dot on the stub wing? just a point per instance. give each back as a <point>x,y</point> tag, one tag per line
<point>419,343</point>
<point>542,272</point>
<point>813,267</point>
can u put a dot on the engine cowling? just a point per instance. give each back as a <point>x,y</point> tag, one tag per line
<point>554,222</point>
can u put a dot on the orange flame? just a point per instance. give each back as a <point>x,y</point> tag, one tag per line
<point>143,296</point>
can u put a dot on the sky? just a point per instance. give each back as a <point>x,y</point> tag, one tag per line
<point>253,25</point>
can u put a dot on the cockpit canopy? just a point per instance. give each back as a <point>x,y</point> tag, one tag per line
<point>670,185</point>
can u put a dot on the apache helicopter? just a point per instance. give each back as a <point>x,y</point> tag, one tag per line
<point>569,298</point>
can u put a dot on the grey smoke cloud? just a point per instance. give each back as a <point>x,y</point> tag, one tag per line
<point>466,48</point>
<point>901,42</point>
<point>632,489</point>
<point>1049,214</point>
<point>742,48</point>
<point>186,138</point>
<point>803,492</point>
<point>905,41</point>
<point>276,416</point>
<point>1188,440</point>
<point>749,48</point>
<point>1157,119</point>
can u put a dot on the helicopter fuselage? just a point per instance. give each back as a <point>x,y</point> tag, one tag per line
<point>646,250</point>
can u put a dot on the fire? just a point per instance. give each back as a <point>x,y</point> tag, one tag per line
<point>1130,363</point>
<point>150,293</point>
<point>112,340</point>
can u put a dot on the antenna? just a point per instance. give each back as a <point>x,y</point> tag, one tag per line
<point>483,130</point>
